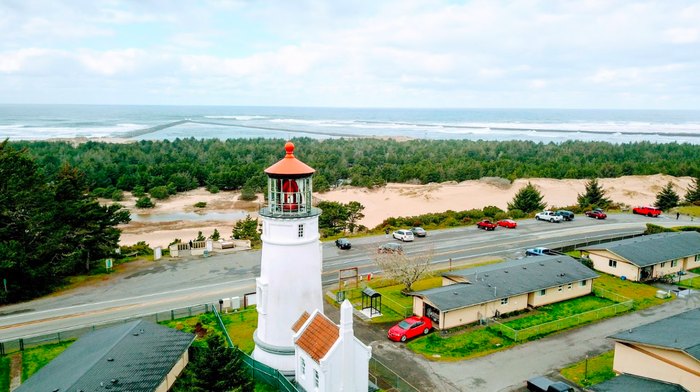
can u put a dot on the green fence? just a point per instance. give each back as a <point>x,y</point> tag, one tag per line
<point>624,304</point>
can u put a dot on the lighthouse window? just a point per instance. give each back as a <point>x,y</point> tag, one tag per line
<point>316,378</point>
<point>301,231</point>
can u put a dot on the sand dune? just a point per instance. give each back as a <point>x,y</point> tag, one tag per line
<point>396,200</point>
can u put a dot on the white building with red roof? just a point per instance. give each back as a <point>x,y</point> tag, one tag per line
<point>290,265</point>
<point>328,357</point>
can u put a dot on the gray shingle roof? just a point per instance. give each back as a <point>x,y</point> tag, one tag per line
<point>679,332</point>
<point>655,248</point>
<point>502,280</point>
<point>138,355</point>
<point>632,383</point>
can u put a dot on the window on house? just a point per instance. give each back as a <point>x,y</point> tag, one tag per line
<point>584,282</point>
<point>301,231</point>
<point>303,366</point>
<point>697,258</point>
<point>543,292</point>
<point>663,264</point>
<point>570,286</point>
<point>612,263</point>
<point>504,301</point>
<point>316,381</point>
<point>560,288</point>
<point>674,263</point>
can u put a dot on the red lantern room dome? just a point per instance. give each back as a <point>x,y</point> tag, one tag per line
<point>289,165</point>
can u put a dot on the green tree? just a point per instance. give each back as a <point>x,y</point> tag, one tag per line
<point>215,368</point>
<point>159,192</point>
<point>247,229</point>
<point>667,198</point>
<point>144,202</point>
<point>200,237</point>
<point>117,195</point>
<point>138,191</point>
<point>693,194</point>
<point>354,209</point>
<point>334,216</point>
<point>215,235</point>
<point>594,196</point>
<point>528,199</point>
<point>248,193</point>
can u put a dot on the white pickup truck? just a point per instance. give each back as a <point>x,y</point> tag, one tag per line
<point>549,216</point>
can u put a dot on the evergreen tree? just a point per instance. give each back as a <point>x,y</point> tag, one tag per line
<point>215,368</point>
<point>247,229</point>
<point>215,235</point>
<point>354,209</point>
<point>200,237</point>
<point>693,194</point>
<point>528,199</point>
<point>594,196</point>
<point>144,202</point>
<point>667,198</point>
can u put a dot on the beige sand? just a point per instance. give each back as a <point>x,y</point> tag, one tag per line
<point>393,200</point>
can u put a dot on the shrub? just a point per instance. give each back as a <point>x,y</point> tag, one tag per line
<point>117,195</point>
<point>159,192</point>
<point>138,191</point>
<point>141,248</point>
<point>144,202</point>
<point>200,204</point>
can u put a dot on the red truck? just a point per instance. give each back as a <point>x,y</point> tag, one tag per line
<point>648,211</point>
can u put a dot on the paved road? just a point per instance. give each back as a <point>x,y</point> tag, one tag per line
<point>170,284</point>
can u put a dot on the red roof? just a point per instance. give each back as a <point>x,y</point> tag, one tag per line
<point>289,165</point>
<point>318,337</point>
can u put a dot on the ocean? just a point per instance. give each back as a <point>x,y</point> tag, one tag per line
<point>41,122</point>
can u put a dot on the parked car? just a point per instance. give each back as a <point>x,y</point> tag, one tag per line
<point>410,328</point>
<point>509,223</point>
<point>486,225</point>
<point>549,216</point>
<point>390,247</point>
<point>403,235</point>
<point>596,213</point>
<point>343,243</point>
<point>539,251</point>
<point>419,231</point>
<point>544,384</point>
<point>567,215</point>
<point>648,211</point>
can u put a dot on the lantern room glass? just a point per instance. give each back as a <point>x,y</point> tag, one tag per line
<point>289,197</point>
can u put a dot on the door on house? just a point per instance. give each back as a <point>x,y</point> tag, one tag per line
<point>431,313</point>
<point>646,273</point>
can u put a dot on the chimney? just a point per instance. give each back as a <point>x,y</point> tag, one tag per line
<point>348,337</point>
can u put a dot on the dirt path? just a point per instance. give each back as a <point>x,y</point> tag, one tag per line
<point>15,370</point>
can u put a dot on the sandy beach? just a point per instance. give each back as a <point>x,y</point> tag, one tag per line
<point>390,200</point>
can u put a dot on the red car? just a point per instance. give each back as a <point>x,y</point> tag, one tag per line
<point>597,213</point>
<point>509,223</point>
<point>648,211</point>
<point>410,328</point>
<point>486,225</point>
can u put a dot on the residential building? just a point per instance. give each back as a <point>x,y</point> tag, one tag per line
<point>667,350</point>
<point>647,257</point>
<point>631,383</point>
<point>483,292</point>
<point>328,357</point>
<point>137,356</point>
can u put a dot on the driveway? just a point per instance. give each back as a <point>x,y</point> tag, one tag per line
<point>507,370</point>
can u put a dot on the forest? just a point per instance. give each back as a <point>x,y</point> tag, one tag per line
<point>184,164</point>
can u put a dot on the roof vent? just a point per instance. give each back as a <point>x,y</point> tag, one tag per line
<point>57,389</point>
<point>542,264</point>
<point>486,275</point>
<point>506,271</point>
<point>110,359</point>
<point>135,334</point>
<point>455,293</point>
<point>524,267</point>
<point>114,381</point>
<point>558,261</point>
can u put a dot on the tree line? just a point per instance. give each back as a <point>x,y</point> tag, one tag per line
<point>167,167</point>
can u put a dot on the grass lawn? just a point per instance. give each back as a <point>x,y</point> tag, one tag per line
<point>560,310</point>
<point>689,210</point>
<point>240,327</point>
<point>599,370</point>
<point>4,373</point>
<point>643,295</point>
<point>692,283</point>
<point>469,343</point>
<point>37,357</point>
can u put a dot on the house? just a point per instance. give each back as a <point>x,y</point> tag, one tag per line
<point>478,293</point>
<point>329,357</point>
<point>667,350</point>
<point>631,383</point>
<point>647,257</point>
<point>137,356</point>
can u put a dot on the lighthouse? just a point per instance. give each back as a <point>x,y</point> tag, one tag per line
<point>290,265</point>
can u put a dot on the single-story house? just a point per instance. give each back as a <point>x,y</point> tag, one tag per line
<point>647,257</point>
<point>137,356</point>
<point>328,357</point>
<point>666,350</point>
<point>475,294</point>
<point>631,383</point>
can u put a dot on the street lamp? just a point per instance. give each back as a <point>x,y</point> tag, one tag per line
<point>221,305</point>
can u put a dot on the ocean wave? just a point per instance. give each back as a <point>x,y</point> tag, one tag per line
<point>240,117</point>
<point>39,132</point>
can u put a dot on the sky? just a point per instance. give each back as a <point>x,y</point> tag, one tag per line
<point>405,53</point>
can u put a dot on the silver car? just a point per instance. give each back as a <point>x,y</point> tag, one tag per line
<point>403,235</point>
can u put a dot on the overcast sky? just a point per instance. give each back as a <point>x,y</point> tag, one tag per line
<point>404,53</point>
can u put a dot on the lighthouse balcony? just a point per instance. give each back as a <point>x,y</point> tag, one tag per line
<point>279,211</point>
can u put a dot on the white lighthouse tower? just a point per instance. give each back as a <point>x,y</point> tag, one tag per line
<point>290,271</point>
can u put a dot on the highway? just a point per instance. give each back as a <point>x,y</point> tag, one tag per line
<point>169,284</point>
